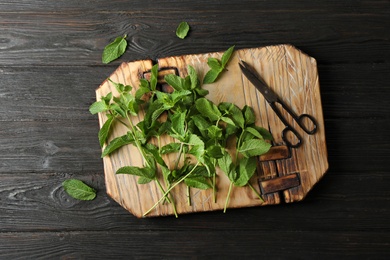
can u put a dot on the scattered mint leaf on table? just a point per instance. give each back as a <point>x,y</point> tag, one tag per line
<point>79,190</point>
<point>114,50</point>
<point>182,30</point>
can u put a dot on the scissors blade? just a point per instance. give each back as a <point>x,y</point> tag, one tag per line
<point>258,82</point>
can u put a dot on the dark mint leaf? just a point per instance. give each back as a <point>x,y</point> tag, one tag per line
<point>104,131</point>
<point>226,56</point>
<point>97,107</point>
<point>207,109</point>
<point>246,169</point>
<point>200,122</point>
<point>198,182</point>
<point>210,76</point>
<point>78,189</point>
<point>182,30</point>
<point>114,50</point>
<point>234,112</point>
<point>254,132</point>
<point>137,171</point>
<point>254,147</point>
<point>170,148</point>
<point>264,133</point>
<point>117,143</point>
<point>215,151</point>
<point>249,115</point>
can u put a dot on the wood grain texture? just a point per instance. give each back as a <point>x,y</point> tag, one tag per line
<point>50,66</point>
<point>289,72</point>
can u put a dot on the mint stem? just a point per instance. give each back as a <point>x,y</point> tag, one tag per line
<point>227,197</point>
<point>170,188</point>
<point>255,191</point>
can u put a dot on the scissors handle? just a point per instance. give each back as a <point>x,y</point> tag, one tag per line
<point>302,120</point>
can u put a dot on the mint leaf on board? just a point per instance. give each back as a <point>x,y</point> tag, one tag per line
<point>104,131</point>
<point>198,182</point>
<point>97,107</point>
<point>114,50</point>
<point>246,169</point>
<point>182,30</point>
<point>208,109</point>
<point>117,143</point>
<point>254,147</point>
<point>79,190</point>
<point>216,66</point>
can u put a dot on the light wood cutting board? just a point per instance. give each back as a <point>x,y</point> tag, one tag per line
<point>284,175</point>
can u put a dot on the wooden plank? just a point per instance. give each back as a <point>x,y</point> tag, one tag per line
<point>36,202</point>
<point>32,38</point>
<point>89,245</point>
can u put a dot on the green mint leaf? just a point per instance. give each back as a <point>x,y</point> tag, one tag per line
<point>254,147</point>
<point>170,148</point>
<point>227,120</point>
<point>246,169</point>
<point>176,82</point>
<point>215,151</point>
<point>254,132</point>
<point>214,132</point>
<point>226,56</point>
<point>153,151</point>
<point>200,122</point>
<point>198,182</point>
<point>97,107</point>
<point>141,91</point>
<point>214,64</point>
<point>104,131</point>
<point>178,95</point>
<point>208,109</point>
<point>264,132</point>
<point>137,171</point>
<point>144,180</point>
<point>202,92</point>
<point>182,30</point>
<point>117,143</point>
<point>210,76</point>
<point>225,163</point>
<point>178,123</point>
<point>114,50</point>
<point>153,77</point>
<point>249,115</point>
<point>233,111</point>
<point>78,189</point>
<point>193,77</point>
<point>195,140</point>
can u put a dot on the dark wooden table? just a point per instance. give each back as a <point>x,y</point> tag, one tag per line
<point>50,66</point>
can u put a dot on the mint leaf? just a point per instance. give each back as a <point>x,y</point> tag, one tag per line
<point>117,143</point>
<point>114,50</point>
<point>246,169</point>
<point>226,56</point>
<point>97,107</point>
<point>78,189</point>
<point>208,109</point>
<point>254,147</point>
<point>254,132</point>
<point>215,151</point>
<point>249,115</point>
<point>214,64</point>
<point>137,171</point>
<point>176,82</point>
<point>193,77</point>
<point>264,132</point>
<point>153,77</point>
<point>198,182</point>
<point>170,148</point>
<point>210,76</point>
<point>182,30</point>
<point>104,131</point>
<point>225,163</point>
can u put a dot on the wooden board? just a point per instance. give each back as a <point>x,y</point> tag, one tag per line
<point>291,74</point>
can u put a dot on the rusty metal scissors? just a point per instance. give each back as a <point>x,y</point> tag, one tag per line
<point>305,121</point>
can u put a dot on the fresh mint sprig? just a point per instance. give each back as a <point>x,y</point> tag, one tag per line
<point>114,50</point>
<point>217,66</point>
<point>199,127</point>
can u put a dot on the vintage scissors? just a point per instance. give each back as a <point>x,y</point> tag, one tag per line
<point>272,99</point>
